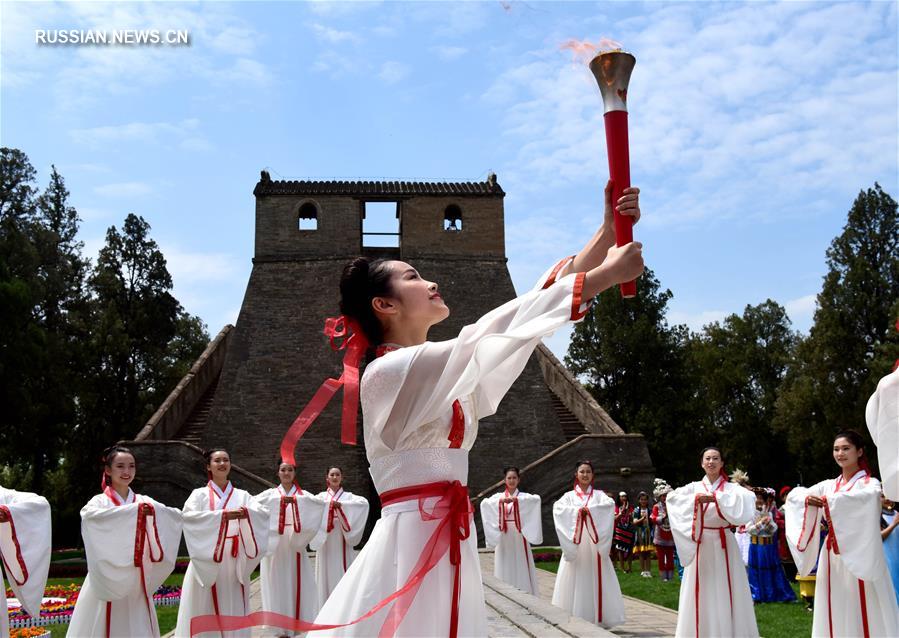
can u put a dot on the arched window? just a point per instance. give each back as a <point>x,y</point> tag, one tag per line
<point>308,217</point>
<point>452,219</point>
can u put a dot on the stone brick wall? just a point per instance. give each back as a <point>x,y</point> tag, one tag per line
<point>482,233</point>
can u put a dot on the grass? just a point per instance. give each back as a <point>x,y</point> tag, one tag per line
<point>775,620</point>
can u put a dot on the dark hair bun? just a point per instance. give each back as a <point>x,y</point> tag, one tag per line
<point>362,280</point>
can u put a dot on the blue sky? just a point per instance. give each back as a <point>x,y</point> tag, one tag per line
<point>753,127</point>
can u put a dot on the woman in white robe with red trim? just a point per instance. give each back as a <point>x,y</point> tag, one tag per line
<point>24,550</point>
<point>586,584</point>
<point>340,530</point>
<point>226,532</point>
<point>512,523</point>
<point>419,574</point>
<point>131,542</point>
<point>715,599</point>
<point>854,594</point>
<point>286,573</point>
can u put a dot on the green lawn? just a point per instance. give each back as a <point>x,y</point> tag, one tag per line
<point>775,620</point>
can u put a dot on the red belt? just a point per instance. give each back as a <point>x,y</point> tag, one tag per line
<point>452,511</point>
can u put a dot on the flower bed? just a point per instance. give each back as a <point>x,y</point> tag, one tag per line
<point>58,609</point>
<point>29,632</point>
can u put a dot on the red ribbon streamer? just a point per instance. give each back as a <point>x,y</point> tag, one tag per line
<point>354,342</point>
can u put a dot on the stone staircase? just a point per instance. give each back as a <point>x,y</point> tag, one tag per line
<point>571,425</point>
<point>193,427</point>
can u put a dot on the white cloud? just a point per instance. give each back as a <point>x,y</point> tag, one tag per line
<point>197,144</point>
<point>124,190</point>
<point>392,72</point>
<point>332,35</point>
<point>449,52</point>
<point>144,132</point>
<point>802,311</point>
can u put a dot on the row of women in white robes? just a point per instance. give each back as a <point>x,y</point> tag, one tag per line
<point>24,550</point>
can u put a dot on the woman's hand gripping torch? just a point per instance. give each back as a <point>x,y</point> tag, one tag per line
<point>612,70</point>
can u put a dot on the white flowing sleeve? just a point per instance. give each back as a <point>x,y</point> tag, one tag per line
<point>355,508</point>
<point>882,417</point>
<point>201,533</point>
<point>311,511</point>
<point>680,504</point>
<point>565,513</point>
<point>803,525</point>
<point>416,385</point>
<point>602,510</point>
<point>25,546</point>
<point>531,520</point>
<point>318,541</point>
<point>854,515</point>
<point>736,504</point>
<point>490,519</point>
<point>111,536</point>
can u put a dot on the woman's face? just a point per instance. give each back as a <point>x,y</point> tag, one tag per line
<point>511,480</point>
<point>846,454</point>
<point>643,500</point>
<point>219,465</point>
<point>584,475</point>
<point>122,470</point>
<point>335,478</point>
<point>663,498</point>
<point>286,474</point>
<point>712,463</point>
<point>413,299</point>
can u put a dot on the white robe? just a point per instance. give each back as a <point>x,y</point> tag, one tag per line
<point>854,509</point>
<point>215,574</point>
<point>334,550</point>
<point>288,580</point>
<point>407,397</point>
<point>882,417</point>
<point>25,551</point>
<point>113,531</point>
<point>586,585</point>
<point>724,606</point>
<point>512,533</point>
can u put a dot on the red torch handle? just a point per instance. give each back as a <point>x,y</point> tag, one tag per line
<point>620,174</point>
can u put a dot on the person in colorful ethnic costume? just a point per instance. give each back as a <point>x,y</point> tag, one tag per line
<point>340,530</point>
<point>586,584</point>
<point>643,547</point>
<point>24,551</point>
<point>226,532</point>
<point>286,573</point>
<point>131,543</point>
<point>767,581</point>
<point>661,535</point>
<point>714,592</point>
<point>512,523</point>
<point>854,594</point>
<point>623,540</point>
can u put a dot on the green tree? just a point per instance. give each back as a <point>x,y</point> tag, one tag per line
<point>839,364</point>
<point>633,363</point>
<point>739,365</point>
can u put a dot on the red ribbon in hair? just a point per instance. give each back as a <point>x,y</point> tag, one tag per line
<point>344,334</point>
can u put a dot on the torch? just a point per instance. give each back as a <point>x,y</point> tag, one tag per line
<point>612,70</point>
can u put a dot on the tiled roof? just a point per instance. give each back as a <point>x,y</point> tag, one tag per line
<point>378,188</point>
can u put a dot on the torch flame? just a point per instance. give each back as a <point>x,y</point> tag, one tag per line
<point>584,51</point>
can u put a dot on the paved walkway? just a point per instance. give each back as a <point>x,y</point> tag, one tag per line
<point>511,613</point>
